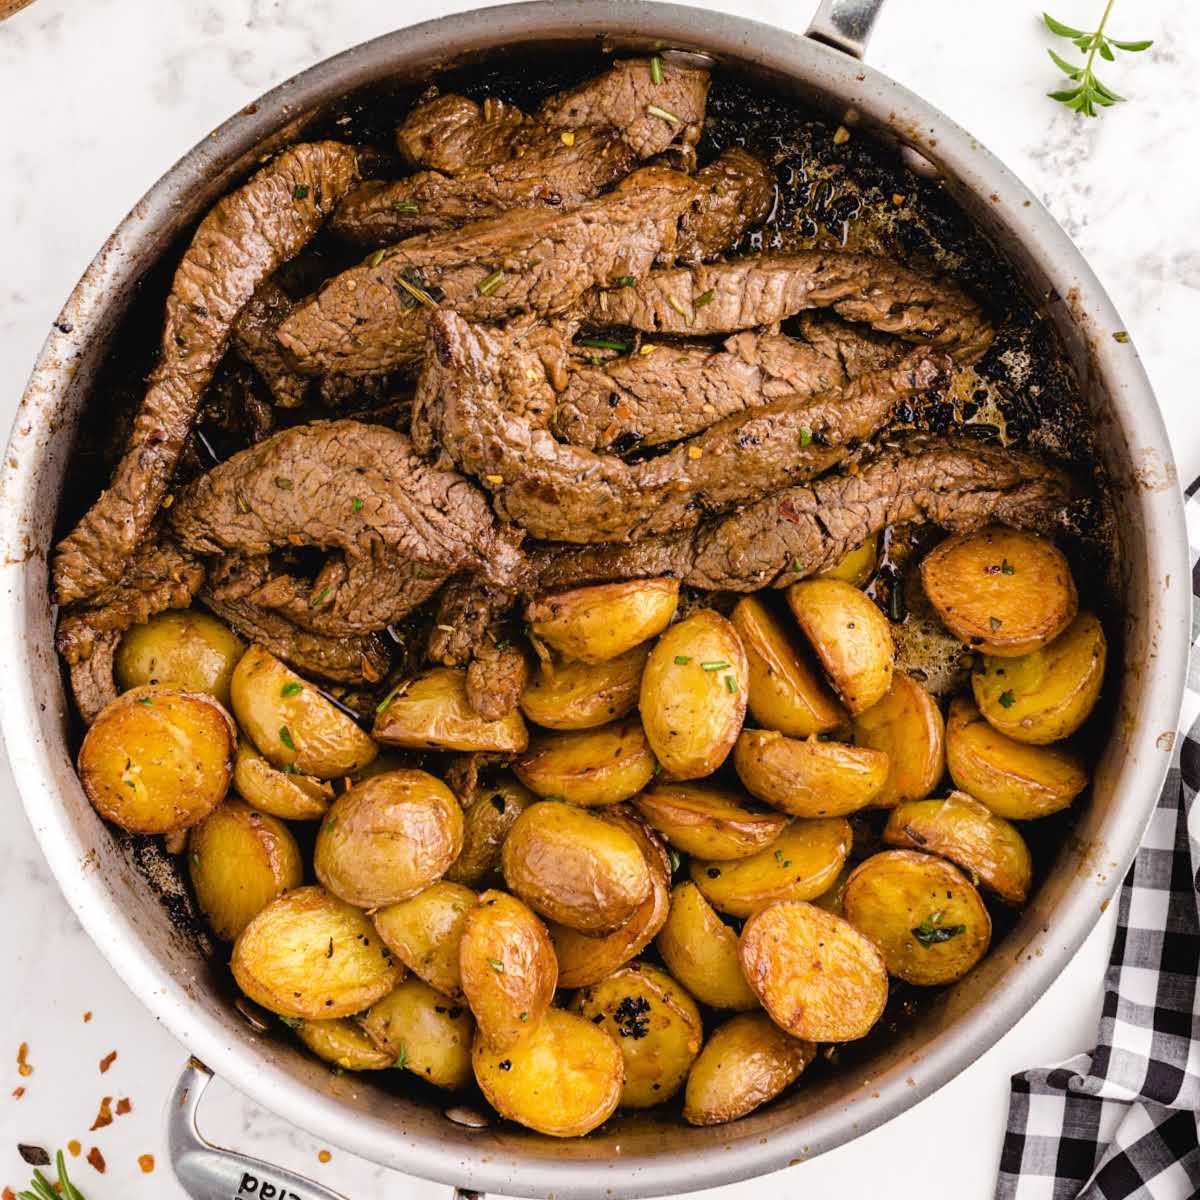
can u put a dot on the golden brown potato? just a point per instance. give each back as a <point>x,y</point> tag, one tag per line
<point>707,821</point>
<point>784,688</point>
<point>433,713</point>
<point>654,1022</point>
<point>589,767</point>
<point>509,971</point>
<point>857,565</point>
<point>819,978</point>
<point>966,832</point>
<point>291,723</point>
<point>701,951</point>
<point>906,724</point>
<point>745,1062</point>
<point>424,932</point>
<point>596,624</point>
<point>799,865</point>
<point>1014,780</point>
<point>343,1043</point>
<point>423,1034</point>
<point>574,868</point>
<point>487,822</point>
<point>158,760</point>
<point>388,838</point>
<point>809,778</point>
<point>563,1079</point>
<point>179,648</point>
<point>575,695</point>
<point>928,921</point>
<point>693,695</point>
<point>1044,695</point>
<point>239,861</point>
<point>310,955</point>
<point>284,794</point>
<point>851,636</point>
<point>1002,591</point>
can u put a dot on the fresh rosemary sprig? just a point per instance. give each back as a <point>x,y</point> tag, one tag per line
<point>41,1189</point>
<point>1088,95</point>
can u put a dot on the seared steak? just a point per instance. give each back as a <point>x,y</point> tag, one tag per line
<point>453,134</point>
<point>236,247</point>
<point>254,339</point>
<point>495,680</point>
<point>92,681</point>
<point>739,191</point>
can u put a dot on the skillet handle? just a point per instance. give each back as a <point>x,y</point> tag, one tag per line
<point>845,24</point>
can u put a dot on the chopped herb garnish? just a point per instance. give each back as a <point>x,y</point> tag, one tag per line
<point>603,343</point>
<point>682,660</point>
<point>656,71</point>
<point>805,436</point>
<point>329,824</point>
<point>390,697</point>
<point>655,111</point>
<point>730,683</point>
<point>147,700</point>
<point>704,298</point>
<point>797,566</point>
<point>720,665</point>
<point>401,1058</point>
<point>496,965</point>
<point>624,281</point>
<point>40,1188</point>
<point>489,283</point>
<point>285,736</point>
<point>931,931</point>
<point>1006,568</point>
<point>1121,336</point>
<point>356,505</point>
<point>290,689</point>
<point>283,484</point>
<point>419,294</point>
<point>194,859</point>
<point>300,191</point>
<point>1007,699</point>
<point>674,859</point>
<point>374,258</point>
<point>292,1022</point>
<point>995,623</point>
<point>677,305</point>
<point>406,206</point>
<point>319,598</point>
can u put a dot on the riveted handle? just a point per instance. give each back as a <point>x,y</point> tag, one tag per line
<point>845,24</point>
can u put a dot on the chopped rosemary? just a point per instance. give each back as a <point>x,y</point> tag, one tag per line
<point>995,623</point>
<point>285,736</point>
<point>676,304</point>
<point>319,598</point>
<point>491,282</point>
<point>1007,699</point>
<point>406,206</point>
<point>682,660</point>
<point>300,191</point>
<point>656,71</point>
<point>401,1058</point>
<point>290,689</point>
<point>418,294</point>
<point>390,697</point>
<point>1006,568</point>
<point>283,483</point>
<point>655,111</point>
<point>704,298</point>
<point>356,505</point>
<point>730,683</point>
<point>931,931</point>
<point>603,343</point>
<point>720,665</point>
<point>374,258</point>
<point>805,436</point>
<point>496,965</point>
<point>624,281</point>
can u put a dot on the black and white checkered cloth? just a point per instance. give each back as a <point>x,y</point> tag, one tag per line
<point>1124,1121</point>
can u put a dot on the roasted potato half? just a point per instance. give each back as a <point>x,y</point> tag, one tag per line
<point>287,795</point>
<point>433,713</point>
<point>343,1043</point>
<point>693,697</point>
<point>423,1034</point>
<point>708,821</point>
<point>574,868</point>
<point>388,838</point>
<point>1001,591</point>
<point>180,648</point>
<point>819,978</point>
<point>799,865</point>
<point>596,624</point>
<point>310,955</point>
<point>809,778</point>
<point>424,933</point>
<point>1015,780</point>
<point>654,1022</point>
<point>239,861</point>
<point>563,1079</point>
<point>906,724</point>
<point>928,920</point>
<point>509,971</point>
<point>745,1062</point>
<point>576,695</point>
<point>856,566</point>
<point>968,833</point>
<point>291,724</point>
<point>157,760</point>
<point>487,823</point>
<point>851,636</point>
<point>1045,695</point>
<point>589,767</point>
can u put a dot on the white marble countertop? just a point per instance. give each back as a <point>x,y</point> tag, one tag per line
<point>98,99</point>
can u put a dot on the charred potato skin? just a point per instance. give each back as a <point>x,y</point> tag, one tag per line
<point>707,821</point>
<point>906,724</point>
<point>291,797</point>
<point>598,623</point>
<point>343,1043</point>
<point>424,933</point>
<point>574,695</point>
<point>423,1034</point>
<point>591,767</point>
<point>180,648</point>
<point>486,825</point>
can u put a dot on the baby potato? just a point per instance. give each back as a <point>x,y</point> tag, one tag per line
<point>291,723</point>
<point>283,794</point>
<point>487,823</point>
<point>343,1043</point>
<point>424,933</point>
<point>798,865</point>
<point>851,636</point>
<point>654,1022</point>
<point>693,697</point>
<point>745,1062</point>
<point>574,868</point>
<point>388,838</point>
<point>784,688</point>
<point>589,767</point>
<point>310,955</point>
<point>239,861</point>
<point>701,951</point>
<point>808,778</point>
<point>423,1034</point>
<point>509,971</point>
<point>707,821</point>
<point>181,648</point>
<point>1002,591</point>
<point>575,695</point>
<point>157,760</point>
<point>857,565</point>
<point>1045,695</point>
<point>968,833</point>
<point>433,713</point>
<point>1014,780</point>
<point>596,624</point>
<point>928,920</point>
<point>906,724</point>
<point>817,976</point>
<point>563,1079</point>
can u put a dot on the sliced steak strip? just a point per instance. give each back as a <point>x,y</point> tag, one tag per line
<point>92,682</point>
<point>726,297</point>
<point>373,317</point>
<point>739,192</point>
<point>453,134</point>
<point>236,247</point>
<point>254,339</point>
<point>495,680</point>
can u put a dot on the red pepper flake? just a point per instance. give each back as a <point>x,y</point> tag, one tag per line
<point>124,1105</point>
<point>104,1116</point>
<point>18,1092</point>
<point>23,1068</point>
<point>8,1194</point>
<point>324,1156</point>
<point>74,1147</point>
<point>107,1061</point>
<point>96,1159</point>
<point>87,1016</point>
<point>146,1162</point>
